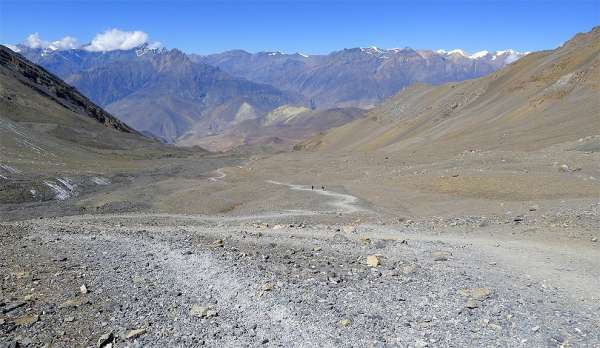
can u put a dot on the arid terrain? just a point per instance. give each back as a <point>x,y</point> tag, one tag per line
<point>436,220</point>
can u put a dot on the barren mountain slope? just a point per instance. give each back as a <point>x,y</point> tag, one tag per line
<point>543,99</point>
<point>54,142</point>
<point>280,129</point>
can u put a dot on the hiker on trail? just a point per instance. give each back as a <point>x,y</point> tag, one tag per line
<point>312,187</point>
<point>323,188</point>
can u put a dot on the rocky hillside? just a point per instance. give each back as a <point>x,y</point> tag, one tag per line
<point>15,66</point>
<point>360,77</point>
<point>54,142</point>
<point>542,99</point>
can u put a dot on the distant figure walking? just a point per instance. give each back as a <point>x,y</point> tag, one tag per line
<point>323,188</point>
<point>312,187</point>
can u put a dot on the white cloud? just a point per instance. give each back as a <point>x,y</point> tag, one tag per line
<point>115,39</point>
<point>35,41</point>
<point>110,40</point>
<point>66,43</point>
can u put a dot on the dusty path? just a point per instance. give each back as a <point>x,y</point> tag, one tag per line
<point>221,175</point>
<point>264,279</point>
<point>343,203</point>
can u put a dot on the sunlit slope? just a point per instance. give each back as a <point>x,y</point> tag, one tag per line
<point>544,98</point>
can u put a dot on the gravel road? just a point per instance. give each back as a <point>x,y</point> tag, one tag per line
<point>292,279</point>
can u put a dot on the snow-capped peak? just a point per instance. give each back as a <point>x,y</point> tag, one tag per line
<point>457,51</point>
<point>13,48</point>
<point>479,54</point>
<point>303,55</point>
<point>371,50</point>
<point>509,55</point>
<point>152,47</point>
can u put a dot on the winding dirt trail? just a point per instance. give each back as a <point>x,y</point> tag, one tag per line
<point>221,175</point>
<point>343,202</point>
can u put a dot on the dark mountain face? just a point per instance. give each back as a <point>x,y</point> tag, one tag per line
<point>163,92</point>
<point>50,86</point>
<point>358,76</point>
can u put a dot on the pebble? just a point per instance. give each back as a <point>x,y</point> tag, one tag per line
<point>83,289</point>
<point>202,311</point>
<point>440,255</point>
<point>373,261</point>
<point>345,322</point>
<point>267,287</point>
<point>133,334</point>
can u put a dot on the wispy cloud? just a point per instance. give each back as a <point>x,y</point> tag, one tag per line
<point>109,40</point>
<point>35,41</point>
<point>115,39</point>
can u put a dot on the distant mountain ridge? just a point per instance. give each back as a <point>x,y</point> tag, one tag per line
<point>176,96</point>
<point>162,91</point>
<point>360,77</point>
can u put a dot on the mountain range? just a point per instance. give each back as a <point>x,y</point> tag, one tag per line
<point>359,77</point>
<point>545,98</point>
<point>183,98</point>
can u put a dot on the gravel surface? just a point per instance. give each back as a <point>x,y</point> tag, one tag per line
<point>293,279</point>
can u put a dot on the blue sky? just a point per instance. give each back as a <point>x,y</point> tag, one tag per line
<point>308,26</point>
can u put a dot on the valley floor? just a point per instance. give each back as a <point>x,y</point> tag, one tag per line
<point>296,278</point>
<point>487,249</point>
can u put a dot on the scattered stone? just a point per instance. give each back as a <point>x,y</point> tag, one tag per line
<point>345,322</point>
<point>267,287</point>
<point>349,229</point>
<point>563,168</point>
<point>72,303</point>
<point>364,240</point>
<point>535,329</point>
<point>27,320</point>
<point>317,249</point>
<point>441,255</point>
<point>472,303</point>
<point>372,260</point>
<point>476,293</point>
<point>105,340</point>
<point>69,319</point>
<point>219,243</point>
<point>277,227</point>
<point>133,334</point>
<point>475,296</point>
<point>594,239</point>
<point>408,269</point>
<point>83,289</point>
<point>202,311</point>
<point>534,207</point>
<point>419,343</point>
